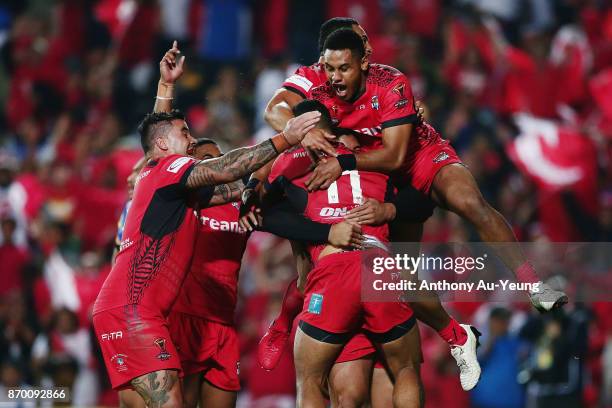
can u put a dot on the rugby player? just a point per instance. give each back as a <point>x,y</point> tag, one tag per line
<point>130,312</point>
<point>332,308</point>
<point>412,215</point>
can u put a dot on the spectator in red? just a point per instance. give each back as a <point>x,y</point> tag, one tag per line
<point>12,258</point>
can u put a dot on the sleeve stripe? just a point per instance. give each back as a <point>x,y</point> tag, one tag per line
<point>295,90</point>
<point>400,121</point>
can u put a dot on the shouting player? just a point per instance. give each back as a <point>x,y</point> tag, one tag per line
<point>159,237</point>
<point>461,338</point>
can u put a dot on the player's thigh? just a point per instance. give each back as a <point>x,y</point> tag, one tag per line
<point>404,352</point>
<point>454,188</point>
<point>214,397</point>
<point>191,390</point>
<point>313,358</point>
<point>160,389</point>
<point>349,383</point>
<point>381,392</point>
<point>130,399</point>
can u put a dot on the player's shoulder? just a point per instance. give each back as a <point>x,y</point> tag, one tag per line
<point>315,69</point>
<point>174,163</point>
<point>384,75</point>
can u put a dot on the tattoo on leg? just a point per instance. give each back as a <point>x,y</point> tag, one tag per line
<point>155,387</point>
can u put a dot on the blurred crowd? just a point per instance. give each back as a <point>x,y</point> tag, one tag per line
<point>522,88</point>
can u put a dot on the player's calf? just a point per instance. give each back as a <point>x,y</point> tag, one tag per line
<point>160,389</point>
<point>402,349</point>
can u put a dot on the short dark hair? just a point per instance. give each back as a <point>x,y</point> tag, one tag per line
<point>311,105</point>
<point>153,123</point>
<point>345,40</point>
<point>204,141</point>
<point>331,25</point>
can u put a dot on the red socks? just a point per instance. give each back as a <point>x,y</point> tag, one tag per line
<point>527,274</point>
<point>454,334</point>
<point>292,304</point>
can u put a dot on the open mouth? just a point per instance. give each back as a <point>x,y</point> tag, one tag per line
<point>340,90</point>
<point>190,149</point>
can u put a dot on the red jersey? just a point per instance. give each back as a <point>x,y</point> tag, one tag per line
<point>210,290</point>
<point>331,205</point>
<point>386,102</point>
<point>305,79</point>
<point>158,240</point>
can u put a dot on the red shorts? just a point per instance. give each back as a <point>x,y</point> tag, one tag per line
<point>134,341</point>
<point>423,162</point>
<point>207,347</point>
<point>358,347</point>
<point>332,301</point>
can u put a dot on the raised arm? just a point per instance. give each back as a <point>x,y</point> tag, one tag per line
<point>170,70</point>
<point>278,111</point>
<point>240,162</point>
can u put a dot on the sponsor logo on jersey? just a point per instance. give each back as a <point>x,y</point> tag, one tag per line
<point>316,303</point>
<point>399,89</point>
<point>125,244</point>
<point>176,165</point>
<point>375,104</point>
<point>370,131</point>
<point>143,175</point>
<point>361,107</point>
<point>163,353</point>
<point>222,225</point>
<point>299,154</point>
<point>401,103</point>
<point>112,335</point>
<point>300,82</point>
<point>333,212</point>
<point>440,157</point>
<point>119,361</point>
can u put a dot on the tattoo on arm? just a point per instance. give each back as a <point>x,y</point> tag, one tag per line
<point>155,387</point>
<point>227,193</point>
<point>231,166</point>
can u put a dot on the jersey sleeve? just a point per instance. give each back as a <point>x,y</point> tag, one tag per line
<point>397,103</point>
<point>175,169</point>
<point>302,81</point>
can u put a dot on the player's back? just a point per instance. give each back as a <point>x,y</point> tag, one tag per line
<point>158,240</point>
<point>331,205</point>
<point>210,289</point>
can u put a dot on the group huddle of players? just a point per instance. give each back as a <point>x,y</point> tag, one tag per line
<point>353,167</point>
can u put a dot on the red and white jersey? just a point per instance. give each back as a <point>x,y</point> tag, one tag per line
<point>305,79</point>
<point>331,205</point>
<point>158,240</point>
<point>386,102</point>
<point>210,290</point>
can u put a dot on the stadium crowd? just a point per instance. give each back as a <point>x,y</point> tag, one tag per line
<point>77,76</point>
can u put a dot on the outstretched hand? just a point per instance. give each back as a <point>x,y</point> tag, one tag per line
<point>171,65</point>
